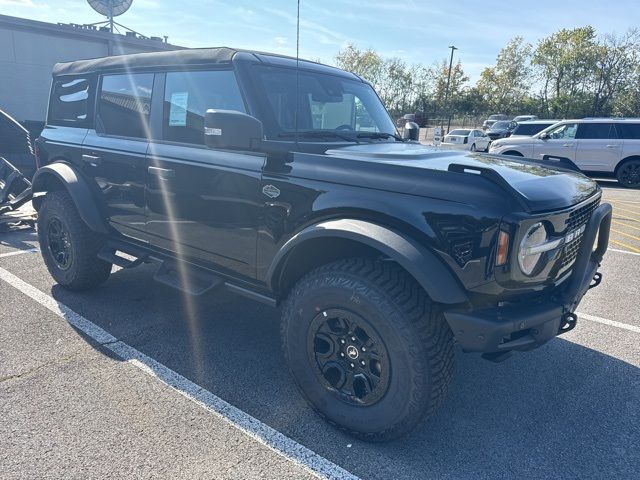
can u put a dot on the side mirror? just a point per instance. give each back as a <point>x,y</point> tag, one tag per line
<point>411,132</point>
<point>544,136</point>
<point>232,129</point>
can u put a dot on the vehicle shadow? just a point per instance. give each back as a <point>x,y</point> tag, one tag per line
<point>22,239</point>
<point>562,411</point>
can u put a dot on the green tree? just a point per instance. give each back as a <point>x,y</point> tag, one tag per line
<point>566,62</point>
<point>616,70</point>
<point>504,87</point>
<point>458,84</point>
<point>366,63</point>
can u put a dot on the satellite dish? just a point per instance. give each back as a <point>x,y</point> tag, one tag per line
<point>110,8</point>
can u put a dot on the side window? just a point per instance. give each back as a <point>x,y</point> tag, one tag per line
<point>629,131</point>
<point>596,131</point>
<point>69,102</point>
<point>187,97</point>
<point>124,105</point>
<point>564,131</point>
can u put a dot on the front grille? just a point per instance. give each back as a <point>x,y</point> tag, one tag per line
<point>576,219</point>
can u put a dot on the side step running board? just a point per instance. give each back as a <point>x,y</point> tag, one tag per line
<point>109,253</point>
<point>193,282</point>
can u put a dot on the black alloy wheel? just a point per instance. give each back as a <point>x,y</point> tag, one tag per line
<point>351,359</point>
<point>629,174</point>
<point>59,243</point>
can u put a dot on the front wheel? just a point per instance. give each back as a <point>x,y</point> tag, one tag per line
<point>367,347</point>
<point>628,174</point>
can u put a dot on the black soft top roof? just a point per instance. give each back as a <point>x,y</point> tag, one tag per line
<point>181,58</point>
<point>194,56</point>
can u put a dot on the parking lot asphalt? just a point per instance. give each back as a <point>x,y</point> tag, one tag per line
<point>75,407</point>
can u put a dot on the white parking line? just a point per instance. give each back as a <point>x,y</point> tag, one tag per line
<point>264,434</point>
<point>622,251</point>
<point>606,321</point>
<point>18,252</point>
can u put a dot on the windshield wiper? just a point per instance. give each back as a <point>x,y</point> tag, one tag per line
<point>318,134</point>
<point>380,135</point>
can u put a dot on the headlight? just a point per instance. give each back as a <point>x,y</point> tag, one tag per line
<point>534,244</point>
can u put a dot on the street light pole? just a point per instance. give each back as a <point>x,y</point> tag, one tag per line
<point>446,94</point>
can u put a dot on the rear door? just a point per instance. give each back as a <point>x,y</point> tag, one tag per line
<point>599,146</point>
<point>203,204</point>
<point>561,143</point>
<point>114,152</point>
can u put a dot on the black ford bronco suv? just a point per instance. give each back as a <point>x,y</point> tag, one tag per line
<point>286,181</point>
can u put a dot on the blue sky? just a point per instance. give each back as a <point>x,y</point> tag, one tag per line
<point>417,31</point>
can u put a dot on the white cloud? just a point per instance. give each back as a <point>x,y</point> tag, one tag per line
<point>18,3</point>
<point>280,41</point>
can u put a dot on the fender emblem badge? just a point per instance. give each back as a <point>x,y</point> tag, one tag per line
<point>271,191</point>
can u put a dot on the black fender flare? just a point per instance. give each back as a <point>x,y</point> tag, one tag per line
<point>423,264</point>
<point>78,190</point>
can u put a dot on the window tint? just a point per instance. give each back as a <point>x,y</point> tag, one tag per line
<point>124,105</point>
<point>70,101</point>
<point>459,132</point>
<point>596,131</point>
<point>188,95</point>
<point>530,128</point>
<point>629,131</point>
<point>567,130</point>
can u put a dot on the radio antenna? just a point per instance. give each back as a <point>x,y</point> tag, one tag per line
<point>297,71</point>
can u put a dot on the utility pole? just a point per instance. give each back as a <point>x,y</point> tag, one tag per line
<point>446,94</point>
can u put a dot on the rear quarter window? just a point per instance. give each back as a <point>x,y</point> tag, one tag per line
<point>70,101</point>
<point>629,131</point>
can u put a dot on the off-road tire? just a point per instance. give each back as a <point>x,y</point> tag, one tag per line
<point>416,336</point>
<point>86,270</point>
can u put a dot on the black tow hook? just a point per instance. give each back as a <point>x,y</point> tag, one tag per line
<point>568,323</point>
<point>597,278</point>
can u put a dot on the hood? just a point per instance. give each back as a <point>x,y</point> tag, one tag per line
<point>540,187</point>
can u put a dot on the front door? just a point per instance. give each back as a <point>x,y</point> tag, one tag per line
<point>114,153</point>
<point>560,144</point>
<point>203,205</point>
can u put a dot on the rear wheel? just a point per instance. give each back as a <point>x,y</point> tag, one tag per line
<point>367,347</point>
<point>69,248</point>
<point>513,153</point>
<point>628,174</point>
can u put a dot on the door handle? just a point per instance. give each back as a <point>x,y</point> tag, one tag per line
<point>161,172</point>
<point>567,144</point>
<point>612,146</point>
<point>92,160</point>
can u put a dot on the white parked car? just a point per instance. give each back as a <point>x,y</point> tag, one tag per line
<point>609,146</point>
<point>467,139</point>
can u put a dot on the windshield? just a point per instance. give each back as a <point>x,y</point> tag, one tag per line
<point>530,128</point>
<point>459,132</point>
<point>328,105</point>
<point>501,125</point>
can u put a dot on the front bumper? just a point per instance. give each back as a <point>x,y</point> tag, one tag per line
<point>528,325</point>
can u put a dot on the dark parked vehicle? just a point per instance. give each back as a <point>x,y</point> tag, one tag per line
<point>501,129</point>
<point>420,118</point>
<point>233,169</point>
<point>530,128</point>
<point>488,123</point>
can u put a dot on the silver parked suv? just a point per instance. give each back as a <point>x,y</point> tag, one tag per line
<point>609,146</point>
